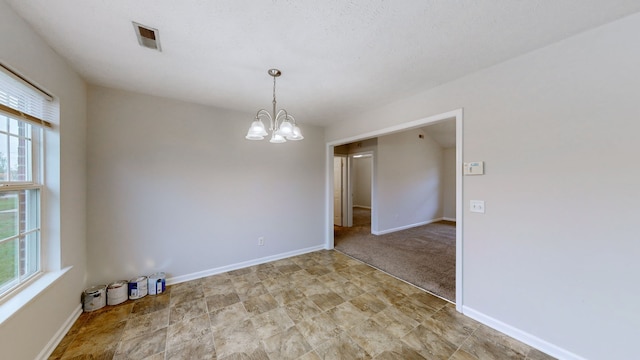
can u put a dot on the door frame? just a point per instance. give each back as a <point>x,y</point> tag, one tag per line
<point>344,184</point>
<point>374,200</point>
<point>430,120</point>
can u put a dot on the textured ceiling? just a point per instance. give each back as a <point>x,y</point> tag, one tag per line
<point>337,56</point>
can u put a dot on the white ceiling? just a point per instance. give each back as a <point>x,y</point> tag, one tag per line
<point>337,56</point>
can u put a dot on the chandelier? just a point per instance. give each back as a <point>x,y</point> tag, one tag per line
<point>282,125</point>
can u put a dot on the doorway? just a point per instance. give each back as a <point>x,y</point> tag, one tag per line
<point>457,116</point>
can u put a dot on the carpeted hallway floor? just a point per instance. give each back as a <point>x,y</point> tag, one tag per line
<point>424,256</point>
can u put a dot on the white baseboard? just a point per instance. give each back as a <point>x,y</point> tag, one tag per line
<point>449,219</point>
<point>244,264</point>
<point>59,335</point>
<point>405,227</point>
<point>520,335</point>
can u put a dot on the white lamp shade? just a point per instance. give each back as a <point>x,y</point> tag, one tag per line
<point>256,131</point>
<point>286,129</point>
<point>296,135</point>
<point>277,139</point>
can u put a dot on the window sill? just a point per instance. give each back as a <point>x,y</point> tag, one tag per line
<point>23,297</point>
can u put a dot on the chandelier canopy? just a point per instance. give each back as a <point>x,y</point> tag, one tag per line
<point>282,125</point>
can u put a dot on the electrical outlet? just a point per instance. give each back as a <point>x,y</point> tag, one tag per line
<point>260,241</point>
<point>477,206</point>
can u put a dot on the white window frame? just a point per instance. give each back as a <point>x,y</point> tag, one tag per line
<point>35,185</point>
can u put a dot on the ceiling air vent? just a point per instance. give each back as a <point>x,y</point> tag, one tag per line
<point>147,36</point>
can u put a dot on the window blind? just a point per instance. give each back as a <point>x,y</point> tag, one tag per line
<point>20,98</point>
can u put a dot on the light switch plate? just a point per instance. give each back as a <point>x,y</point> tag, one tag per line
<point>474,168</point>
<point>477,206</point>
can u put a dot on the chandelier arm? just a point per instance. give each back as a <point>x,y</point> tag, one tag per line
<point>263,112</point>
<point>280,114</point>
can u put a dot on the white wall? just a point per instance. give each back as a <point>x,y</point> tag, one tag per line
<point>449,183</point>
<point>27,332</point>
<point>409,178</point>
<point>175,187</point>
<point>362,182</point>
<point>555,258</point>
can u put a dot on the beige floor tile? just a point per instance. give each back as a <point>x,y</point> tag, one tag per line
<point>236,340</point>
<point>187,294</point>
<point>451,325</point>
<point>399,351</point>
<point>218,301</point>
<point>144,324</point>
<point>271,322</point>
<point>302,309</point>
<point>462,355</point>
<point>247,290</point>
<point>311,355</point>
<point>187,310</point>
<point>96,341</point>
<point>372,337</point>
<point>320,305</point>
<point>149,304</point>
<point>327,300</point>
<point>286,296</point>
<point>142,346</point>
<point>368,304</point>
<point>201,349</point>
<point>319,329</point>
<point>228,316</point>
<point>260,304</point>
<point>288,344</point>
<point>340,348</point>
<point>187,330</point>
<point>429,344</point>
<point>396,322</point>
<point>347,316</point>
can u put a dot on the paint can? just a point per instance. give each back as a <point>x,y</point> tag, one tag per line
<point>94,298</point>
<point>138,288</point>
<point>157,283</point>
<point>117,292</point>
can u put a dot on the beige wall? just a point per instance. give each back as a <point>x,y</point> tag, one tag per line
<point>176,187</point>
<point>554,259</point>
<point>27,333</point>
<point>408,180</point>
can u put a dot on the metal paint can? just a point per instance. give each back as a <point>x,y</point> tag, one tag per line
<point>94,298</point>
<point>157,283</point>
<point>138,288</point>
<point>117,292</point>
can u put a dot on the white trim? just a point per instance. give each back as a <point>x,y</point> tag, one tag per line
<point>20,299</point>
<point>387,231</point>
<point>241,265</point>
<point>59,335</point>
<point>521,336</point>
<point>459,211</point>
<point>449,219</point>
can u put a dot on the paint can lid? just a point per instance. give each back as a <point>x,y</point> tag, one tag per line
<point>138,279</point>
<point>117,284</point>
<point>94,290</point>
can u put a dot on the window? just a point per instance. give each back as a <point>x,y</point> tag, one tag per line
<point>21,152</point>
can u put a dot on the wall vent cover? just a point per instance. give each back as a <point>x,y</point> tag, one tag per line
<point>147,36</point>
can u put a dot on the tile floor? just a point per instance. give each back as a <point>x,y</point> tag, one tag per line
<point>322,305</point>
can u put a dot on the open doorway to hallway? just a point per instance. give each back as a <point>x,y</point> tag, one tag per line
<point>405,225</point>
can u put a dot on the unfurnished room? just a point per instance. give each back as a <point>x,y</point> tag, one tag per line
<point>276,179</point>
